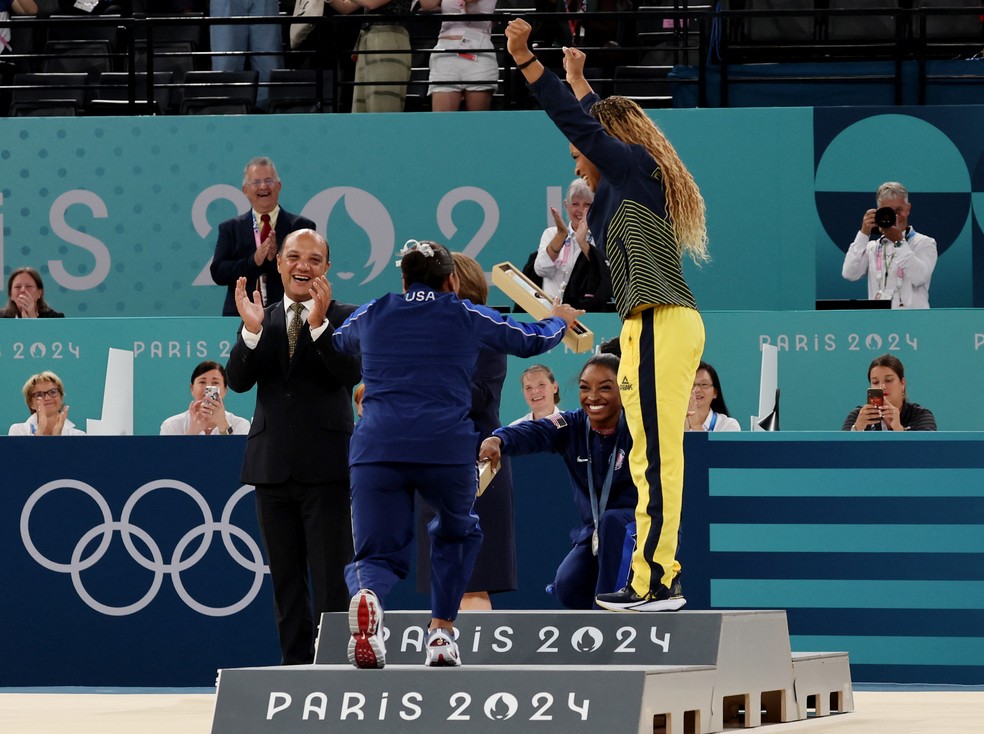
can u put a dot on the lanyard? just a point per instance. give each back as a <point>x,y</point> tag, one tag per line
<point>714,420</point>
<point>261,281</point>
<point>598,505</point>
<point>882,259</point>
<point>890,246</point>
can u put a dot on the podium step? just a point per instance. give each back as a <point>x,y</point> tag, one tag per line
<point>412,699</point>
<point>690,672</point>
<point>579,638</point>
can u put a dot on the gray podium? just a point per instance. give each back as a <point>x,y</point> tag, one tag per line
<point>680,673</point>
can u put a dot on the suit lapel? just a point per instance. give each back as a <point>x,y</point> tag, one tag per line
<point>246,233</point>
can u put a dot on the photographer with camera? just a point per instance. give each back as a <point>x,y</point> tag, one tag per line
<point>898,260</point>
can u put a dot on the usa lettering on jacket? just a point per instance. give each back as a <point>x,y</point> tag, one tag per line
<point>419,296</point>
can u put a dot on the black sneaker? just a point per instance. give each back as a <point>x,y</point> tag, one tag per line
<point>626,600</point>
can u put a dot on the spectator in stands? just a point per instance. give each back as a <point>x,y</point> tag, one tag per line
<point>541,393</point>
<point>326,46</point>
<point>708,411</point>
<point>648,212</point>
<point>382,69</point>
<point>19,7</point>
<point>207,415</point>
<point>597,32</point>
<point>562,244</point>
<point>88,7</point>
<point>25,293</point>
<point>262,41</point>
<point>895,413</point>
<point>567,259</point>
<point>595,443</point>
<point>463,66</point>
<point>44,394</point>
<point>247,246</point>
<point>898,260</point>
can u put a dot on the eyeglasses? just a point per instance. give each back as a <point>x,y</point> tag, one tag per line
<point>52,393</point>
<point>257,182</point>
<point>703,386</point>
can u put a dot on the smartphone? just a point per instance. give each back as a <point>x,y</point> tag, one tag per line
<point>212,393</point>
<point>876,396</point>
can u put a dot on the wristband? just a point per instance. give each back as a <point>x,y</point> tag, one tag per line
<point>522,66</point>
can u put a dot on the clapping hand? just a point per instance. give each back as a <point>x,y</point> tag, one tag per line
<point>267,250</point>
<point>321,294</point>
<point>251,312</point>
<point>50,426</point>
<point>27,305</point>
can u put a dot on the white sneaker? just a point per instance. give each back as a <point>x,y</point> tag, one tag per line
<point>366,648</point>
<point>442,650</point>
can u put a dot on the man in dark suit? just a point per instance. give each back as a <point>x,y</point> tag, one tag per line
<point>297,449</point>
<point>248,244</point>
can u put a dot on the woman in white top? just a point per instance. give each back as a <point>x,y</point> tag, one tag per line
<point>44,394</point>
<point>463,66</point>
<point>540,391</point>
<point>708,411</point>
<point>206,416</point>
<point>560,246</point>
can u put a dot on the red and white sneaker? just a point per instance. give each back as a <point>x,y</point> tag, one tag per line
<point>442,650</point>
<point>366,648</point>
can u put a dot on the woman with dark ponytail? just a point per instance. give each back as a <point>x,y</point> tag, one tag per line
<point>419,350</point>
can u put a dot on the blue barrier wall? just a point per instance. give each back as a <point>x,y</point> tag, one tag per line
<point>135,562</point>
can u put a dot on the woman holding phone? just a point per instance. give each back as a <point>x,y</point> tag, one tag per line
<point>887,408</point>
<point>206,415</point>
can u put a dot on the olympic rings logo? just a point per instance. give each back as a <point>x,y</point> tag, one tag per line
<point>155,563</point>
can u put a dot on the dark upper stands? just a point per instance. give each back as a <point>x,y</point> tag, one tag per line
<point>659,53</point>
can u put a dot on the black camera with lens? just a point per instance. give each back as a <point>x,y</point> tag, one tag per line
<point>884,219</point>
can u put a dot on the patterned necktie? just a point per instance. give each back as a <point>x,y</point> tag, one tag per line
<point>264,227</point>
<point>294,328</point>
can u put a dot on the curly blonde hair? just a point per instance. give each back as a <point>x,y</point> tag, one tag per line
<point>624,119</point>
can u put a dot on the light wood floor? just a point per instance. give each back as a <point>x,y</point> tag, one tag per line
<point>903,712</point>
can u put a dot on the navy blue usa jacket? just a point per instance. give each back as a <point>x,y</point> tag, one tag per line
<point>419,351</point>
<point>566,436</point>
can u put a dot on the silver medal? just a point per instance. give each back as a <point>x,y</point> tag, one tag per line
<point>594,542</point>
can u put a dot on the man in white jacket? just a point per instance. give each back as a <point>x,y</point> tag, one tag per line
<point>898,260</point>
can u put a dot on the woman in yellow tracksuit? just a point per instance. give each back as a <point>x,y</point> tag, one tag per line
<point>647,213</point>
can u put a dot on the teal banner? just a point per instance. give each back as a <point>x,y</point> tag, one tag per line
<point>121,215</point>
<point>823,363</point>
